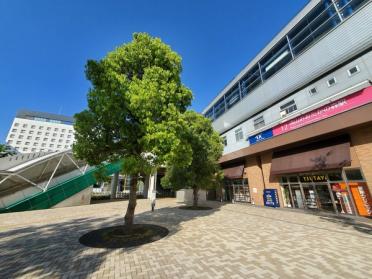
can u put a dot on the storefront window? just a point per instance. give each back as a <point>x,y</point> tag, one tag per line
<point>328,191</point>
<point>342,198</point>
<point>237,190</point>
<point>354,174</point>
<point>335,176</point>
<point>293,179</point>
<point>286,196</point>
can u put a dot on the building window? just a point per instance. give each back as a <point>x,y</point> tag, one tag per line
<point>33,126</point>
<point>60,140</point>
<point>24,126</point>
<point>67,141</point>
<point>10,141</point>
<point>239,134</point>
<point>353,71</point>
<point>55,129</point>
<point>43,144</point>
<point>37,138</point>
<point>59,146</point>
<point>11,136</point>
<point>224,140</point>
<point>31,132</point>
<point>61,135</point>
<point>14,130</point>
<point>18,142</point>
<point>47,134</point>
<point>20,136</point>
<point>66,146</point>
<point>27,143</point>
<point>53,140</point>
<point>36,144</point>
<point>259,122</point>
<point>68,136</point>
<point>23,131</point>
<point>51,145</point>
<point>45,139</point>
<point>41,127</point>
<point>288,108</point>
<point>232,97</point>
<point>16,124</point>
<point>275,59</point>
<point>63,130</point>
<point>54,134</point>
<point>39,133</point>
<point>70,131</point>
<point>313,91</point>
<point>331,82</point>
<point>33,149</point>
<point>25,148</point>
<point>29,137</point>
<point>48,128</point>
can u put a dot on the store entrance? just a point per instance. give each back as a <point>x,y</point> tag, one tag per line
<point>328,191</point>
<point>236,190</point>
<point>311,191</point>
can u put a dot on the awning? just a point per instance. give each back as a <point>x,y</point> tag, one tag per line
<point>330,157</point>
<point>234,172</point>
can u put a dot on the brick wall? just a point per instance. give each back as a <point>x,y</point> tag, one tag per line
<point>252,171</point>
<point>361,139</point>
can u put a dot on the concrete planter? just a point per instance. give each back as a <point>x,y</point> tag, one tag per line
<point>186,196</point>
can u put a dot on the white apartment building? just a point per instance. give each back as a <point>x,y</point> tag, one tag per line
<point>40,132</point>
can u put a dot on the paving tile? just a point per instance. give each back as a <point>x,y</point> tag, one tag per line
<point>230,241</point>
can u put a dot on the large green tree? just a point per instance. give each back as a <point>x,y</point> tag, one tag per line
<point>203,171</point>
<point>134,110</point>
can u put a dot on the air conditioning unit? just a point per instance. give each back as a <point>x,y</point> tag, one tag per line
<point>283,113</point>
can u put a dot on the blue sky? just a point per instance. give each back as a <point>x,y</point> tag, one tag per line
<point>44,44</point>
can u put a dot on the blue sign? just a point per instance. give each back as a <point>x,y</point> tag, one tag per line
<point>271,198</point>
<point>261,136</point>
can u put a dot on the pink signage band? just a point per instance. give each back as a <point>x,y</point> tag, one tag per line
<point>344,104</point>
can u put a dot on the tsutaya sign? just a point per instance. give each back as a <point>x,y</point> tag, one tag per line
<point>352,101</point>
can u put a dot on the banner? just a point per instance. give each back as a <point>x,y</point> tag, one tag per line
<point>336,107</point>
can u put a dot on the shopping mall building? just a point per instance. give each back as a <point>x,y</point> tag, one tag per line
<point>297,120</point>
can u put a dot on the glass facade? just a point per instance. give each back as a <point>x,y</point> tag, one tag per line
<point>318,22</point>
<point>237,190</point>
<point>342,192</point>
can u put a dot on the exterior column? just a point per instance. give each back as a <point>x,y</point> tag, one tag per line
<point>152,187</point>
<point>114,184</point>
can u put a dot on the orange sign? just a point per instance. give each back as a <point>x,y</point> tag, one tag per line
<point>362,198</point>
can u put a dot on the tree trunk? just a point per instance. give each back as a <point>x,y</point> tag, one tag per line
<point>195,191</point>
<point>129,216</point>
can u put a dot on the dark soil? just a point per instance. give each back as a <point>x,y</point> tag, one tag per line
<point>123,236</point>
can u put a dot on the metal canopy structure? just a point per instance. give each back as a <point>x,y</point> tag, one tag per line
<point>29,177</point>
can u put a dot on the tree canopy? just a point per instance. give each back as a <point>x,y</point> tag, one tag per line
<point>134,109</point>
<point>133,105</point>
<point>203,171</point>
<point>6,150</point>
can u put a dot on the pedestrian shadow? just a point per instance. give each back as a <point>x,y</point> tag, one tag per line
<point>53,250</point>
<point>349,223</point>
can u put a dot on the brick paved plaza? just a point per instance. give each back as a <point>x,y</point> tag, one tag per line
<point>230,241</point>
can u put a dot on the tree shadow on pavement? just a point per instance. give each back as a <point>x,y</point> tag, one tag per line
<point>53,250</point>
<point>349,222</point>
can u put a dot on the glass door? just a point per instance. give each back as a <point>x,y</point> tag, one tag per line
<point>324,197</point>
<point>310,196</point>
<point>298,201</point>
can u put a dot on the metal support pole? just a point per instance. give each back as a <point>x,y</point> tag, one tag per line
<point>337,10</point>
<point>290,46</point>
<point>259,68</point>
<point>51,177</point>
